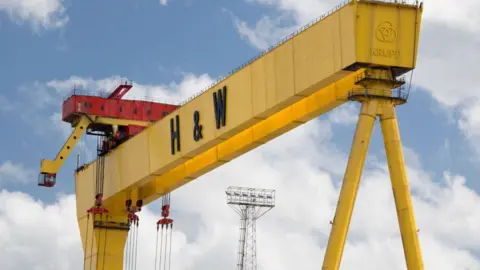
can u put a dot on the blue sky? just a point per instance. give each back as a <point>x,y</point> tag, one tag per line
<point>169,48</point>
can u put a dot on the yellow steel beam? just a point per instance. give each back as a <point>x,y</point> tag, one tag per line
<point>299,113</point>
<point>119,122</point>
<point>53,166</point>
<point>351,182</point>
<point>401,191</point>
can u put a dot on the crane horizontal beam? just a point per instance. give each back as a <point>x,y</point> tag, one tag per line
<point>309,74</point>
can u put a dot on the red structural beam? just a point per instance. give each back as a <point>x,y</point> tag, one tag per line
<point>120,91</point>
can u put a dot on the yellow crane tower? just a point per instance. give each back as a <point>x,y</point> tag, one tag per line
<point>356,52</point>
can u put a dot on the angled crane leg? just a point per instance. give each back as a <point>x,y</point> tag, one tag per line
<point>53,166</point>
<point>401,192</point>
<point>350,185</point>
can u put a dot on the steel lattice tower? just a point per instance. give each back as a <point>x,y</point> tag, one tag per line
<point>250,204</point>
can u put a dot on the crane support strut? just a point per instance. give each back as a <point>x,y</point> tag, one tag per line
<point>52,166</point>
<point>376,101</point>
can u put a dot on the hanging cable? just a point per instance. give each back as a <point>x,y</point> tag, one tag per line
<point>170,249</point>
<point>163,224</point>
<point>105,243</point>
<point>91,248</point>
<point>126,250</point>
<point>161,245</point>
<point>136,244</point>
<point>98,243</point>
<point>86,243</point>
<point>156,250</point>
<point>166,241</point>
<point>132,236</point>
<point>132,242</point>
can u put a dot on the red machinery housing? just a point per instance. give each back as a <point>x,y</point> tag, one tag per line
<point>112,106</point>
<point>108,106</point>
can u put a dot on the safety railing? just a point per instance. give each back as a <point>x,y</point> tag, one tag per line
<point>400,93</point>
<point>379,76</point>
<point>103,94</point>
<point>402,2</point>
<point>79,92</point>
<point>156,100</point>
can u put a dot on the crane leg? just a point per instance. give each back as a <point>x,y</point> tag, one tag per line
<point>350,185</point>
<point>103,241</point>
<point>401,191</point>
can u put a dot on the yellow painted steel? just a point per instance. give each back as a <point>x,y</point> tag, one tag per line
<point>306,76</point>
<point>103,248</point>
<point>401,191</point>
<point>119,122</point>
<point>371,108</point>
<point>53,166</point>
<point>351,182</point>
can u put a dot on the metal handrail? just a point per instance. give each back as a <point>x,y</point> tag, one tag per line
<point>397,93</point>
<point>366,75</point>
<point>103,94</point>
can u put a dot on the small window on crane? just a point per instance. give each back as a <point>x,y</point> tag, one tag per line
<point>120,109</point>
<point>149,112</point>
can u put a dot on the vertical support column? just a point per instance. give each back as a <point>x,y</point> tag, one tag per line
<point>401,191</point>
<point>103,247</point>
<point>350,185</point>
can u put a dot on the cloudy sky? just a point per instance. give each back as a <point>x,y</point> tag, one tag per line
<point>172,49</point>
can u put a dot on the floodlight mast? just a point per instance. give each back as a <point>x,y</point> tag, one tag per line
<point>250,204</point>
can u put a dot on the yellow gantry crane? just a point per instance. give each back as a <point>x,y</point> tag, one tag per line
<point>356,52</point>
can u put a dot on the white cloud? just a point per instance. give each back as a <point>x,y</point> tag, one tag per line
<point>163,2</point>
<point>306,177</point>
<point>15,173</point>
<point>265,33</point>
<point>346,114</point>
<point>462,17</point>
<point>47,14</point>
